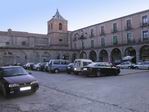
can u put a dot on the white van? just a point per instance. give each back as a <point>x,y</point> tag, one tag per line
<point>79,64</point>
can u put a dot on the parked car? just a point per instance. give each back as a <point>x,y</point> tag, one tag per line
<point>142,65</point>
<point>57,65</point>
<point>29,66</point>
<point>15,80</point>
<point>126,65</point>
<point>100,69</point>
<point>79,64</point>
<point>39,66</point>
<point>70,68</point>
<point>45,67</point>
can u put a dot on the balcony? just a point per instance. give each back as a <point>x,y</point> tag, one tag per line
<point>144,24</point>
<point>102,34</point>
<point>128,28</point>
<point>114,31</point>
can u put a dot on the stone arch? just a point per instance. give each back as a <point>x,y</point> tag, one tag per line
<point>116,56</point>
<point>60,26</point>
<point>144,53</point>
<point>130,51</point>
<point>103,56</point>
<point>83,55</point>
<point>93,55</point>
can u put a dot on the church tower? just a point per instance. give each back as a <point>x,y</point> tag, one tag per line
<point>57,31</point>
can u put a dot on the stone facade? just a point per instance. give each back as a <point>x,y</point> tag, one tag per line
<point>107,41</point>
<point>112,40</point>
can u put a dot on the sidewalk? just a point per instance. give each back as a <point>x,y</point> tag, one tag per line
<point>131,71</point>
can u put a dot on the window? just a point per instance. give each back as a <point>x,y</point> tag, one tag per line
<point>128,23</point>
<point>144,20</point>
<point>7,43</point>
<point>60,40</point>
<point>102,30</point>
<point>92,43</point>
<point>76,35</point>
<point>102,42</point>
<point>23,43</point>
<point>60,26</point>
<point>92,33</point>
<point>56,62</point>
<point>129,38</point>
<point>115,41</point>
<point>145,35</point>
<point>114,27</point>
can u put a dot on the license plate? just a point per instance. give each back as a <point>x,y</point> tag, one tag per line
<point>25,88</point>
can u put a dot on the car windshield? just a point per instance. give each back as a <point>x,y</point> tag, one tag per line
<point>13,71</point>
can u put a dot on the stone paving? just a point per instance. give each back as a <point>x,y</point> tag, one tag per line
<point>70,93</point>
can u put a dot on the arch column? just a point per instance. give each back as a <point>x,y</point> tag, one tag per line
<point>137,53</point>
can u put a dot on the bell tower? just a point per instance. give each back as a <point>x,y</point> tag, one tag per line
<point>57,24</point>
<point>57,30</point>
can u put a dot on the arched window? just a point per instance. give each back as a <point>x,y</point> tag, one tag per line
<point>60,26</point>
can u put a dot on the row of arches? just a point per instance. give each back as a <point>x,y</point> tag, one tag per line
<point>116,55</point>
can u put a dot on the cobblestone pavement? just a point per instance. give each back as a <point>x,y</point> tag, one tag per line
<point>61,92</point>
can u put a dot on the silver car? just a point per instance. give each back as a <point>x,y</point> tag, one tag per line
<point>142,65</point>
<point>126,65</point>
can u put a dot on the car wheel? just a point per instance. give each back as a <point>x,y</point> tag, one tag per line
<point>116,73</point>
<point>4,91</point>
<point>38,69</point>
<point>56,70</point>
<point>68,72</point>
<point>129,67</point>
<point>76,73</point>
<point>98,74</point>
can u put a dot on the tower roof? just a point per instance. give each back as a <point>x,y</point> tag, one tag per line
<point>58,16</point>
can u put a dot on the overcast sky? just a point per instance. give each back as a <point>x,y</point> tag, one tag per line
<point>32,15</point>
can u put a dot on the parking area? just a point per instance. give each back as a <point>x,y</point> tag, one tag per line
<point>71,93</point>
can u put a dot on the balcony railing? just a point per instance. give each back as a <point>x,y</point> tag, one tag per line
<point>144,24</point>
<point>102,34</point>
<point>128,28</point>
<point>114,31</point>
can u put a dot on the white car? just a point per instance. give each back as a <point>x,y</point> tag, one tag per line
<point>142,65</point>
<point>79,64</point>
<point>126,65</point>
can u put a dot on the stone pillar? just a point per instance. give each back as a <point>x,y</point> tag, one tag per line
<point>137,53</point>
